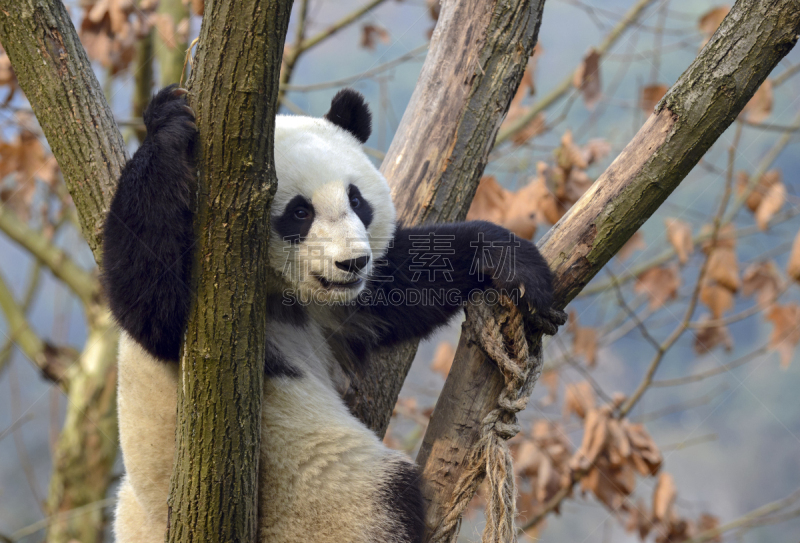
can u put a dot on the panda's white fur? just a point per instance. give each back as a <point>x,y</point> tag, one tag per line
<point>338,256</point>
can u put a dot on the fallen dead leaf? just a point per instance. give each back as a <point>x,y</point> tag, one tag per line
<point>660,284</point>
<point>709,337</point>
<point>785,332</point>
<point>762,186</point>
<point>717,298</point>
<point>771,203</point>
<point>724,269</point>
<point>764,280</point>
<point>679,234</point>
<point>370,33</point>
<point>587,78</point>
<point>664,495</point>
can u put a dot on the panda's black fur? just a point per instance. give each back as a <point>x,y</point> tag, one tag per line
<point>333,481</point>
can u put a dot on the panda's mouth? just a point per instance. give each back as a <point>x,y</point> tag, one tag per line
<point>335,285</point>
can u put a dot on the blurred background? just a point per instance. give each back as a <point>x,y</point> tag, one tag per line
<point>690,332</point>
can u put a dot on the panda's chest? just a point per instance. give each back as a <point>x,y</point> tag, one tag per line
<point>302,350</point>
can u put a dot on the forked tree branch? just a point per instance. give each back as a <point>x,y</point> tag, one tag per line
<point>704,101</point>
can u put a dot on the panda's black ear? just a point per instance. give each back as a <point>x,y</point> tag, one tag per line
<point>350,111</point>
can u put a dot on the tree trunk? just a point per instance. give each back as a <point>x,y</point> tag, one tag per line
<point>54,72</point>
<point>478,54</point>
<point>214,487</point>
<point>88,443</point>
<point>704,101</point>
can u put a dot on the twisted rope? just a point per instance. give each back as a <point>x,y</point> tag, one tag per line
<point>500,331</point>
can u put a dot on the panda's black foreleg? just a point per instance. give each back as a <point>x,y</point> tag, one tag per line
<point>148,235</point>
<point>435,269</point>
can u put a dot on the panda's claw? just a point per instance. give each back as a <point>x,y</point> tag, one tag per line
<point>548,320</point>
<point>179,91</point>
<point>188,110</point>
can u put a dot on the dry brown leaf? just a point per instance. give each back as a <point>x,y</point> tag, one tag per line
<point>490,201</point>
<point>793,268</point>
<point>764,280</point>
<point>726,237</point>
<point>709,337</point>
<point>595,435</point>
<point>659,284</point>
<point>522,210</point>
<point>664,495</point>
<point>717,298</point>
<point>771,203</point>
<point>370,32</point>
<point>760,105</point>
<point>710,20</point>
<point>579,399</point>
<point>516,211</point>
<point>569,155</point>
<point>587,78</point>
<point>679,234</point>
<point>651,95</point>
<point>646,457</point>
<point>550,207</point>
<point>443,358</point>
<point>724,269</point>
<point>584,343</point>
<point>620,447</point>
<point>785,332</point>
<point>762,186</point>
<point>198,6</point>
<point>639,520</point>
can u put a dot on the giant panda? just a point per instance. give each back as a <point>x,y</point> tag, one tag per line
<point>342,268</point>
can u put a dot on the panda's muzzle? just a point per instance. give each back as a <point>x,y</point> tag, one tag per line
<point>332,285</point>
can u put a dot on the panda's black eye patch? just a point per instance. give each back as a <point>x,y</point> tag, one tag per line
<point>360,205</point>
<point>295,221</point>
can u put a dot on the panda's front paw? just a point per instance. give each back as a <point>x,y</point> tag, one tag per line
<point>525,276</point>
<point>548,320</point>
<point>169,120</point>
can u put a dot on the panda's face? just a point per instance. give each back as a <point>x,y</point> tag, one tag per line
<point>332,217</point>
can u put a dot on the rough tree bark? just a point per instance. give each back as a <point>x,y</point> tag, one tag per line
<point>214,486</point>
<point>57,78</point>
<point>478,54</point>
<point>704,101</point>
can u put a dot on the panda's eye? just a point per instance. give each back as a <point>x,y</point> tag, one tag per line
<point>301,214</point>
<point>355,201</point>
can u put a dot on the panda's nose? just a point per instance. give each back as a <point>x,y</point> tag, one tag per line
<point>354,264</point>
